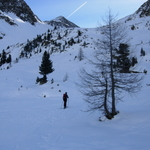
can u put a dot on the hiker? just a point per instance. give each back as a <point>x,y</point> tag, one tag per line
<point>65,96</point>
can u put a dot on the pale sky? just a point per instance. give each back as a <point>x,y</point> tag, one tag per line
<point>84,13</point>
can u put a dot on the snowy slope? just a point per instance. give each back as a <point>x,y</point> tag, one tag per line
<point>20,32</point>
<point>31,121</point>
<point>31,115</point>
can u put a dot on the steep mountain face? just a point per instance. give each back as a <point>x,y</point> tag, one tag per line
<point>144,10</point>
<point>20,9</point>
<point>139,19</point>
<point>61,22</point>
<point>7,19</point>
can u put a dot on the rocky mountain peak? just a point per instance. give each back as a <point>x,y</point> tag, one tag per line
<point>61,22</point>
<point>20,9</point>
<point>144,10</point>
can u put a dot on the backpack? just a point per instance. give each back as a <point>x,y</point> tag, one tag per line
<point>64,96</point>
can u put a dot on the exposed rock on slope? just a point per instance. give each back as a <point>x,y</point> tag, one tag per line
<point>20,9</point>
<point>144,10</point>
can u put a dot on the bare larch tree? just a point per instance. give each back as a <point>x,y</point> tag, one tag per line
<point>104,84</point>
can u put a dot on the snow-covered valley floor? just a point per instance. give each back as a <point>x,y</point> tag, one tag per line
<point>30,121</point>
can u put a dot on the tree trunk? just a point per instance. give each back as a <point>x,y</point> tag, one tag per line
<point>111,70</point>
<point>107,113</point>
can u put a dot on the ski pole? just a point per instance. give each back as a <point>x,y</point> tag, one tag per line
<point>68,102</point>
<point>61,105</point>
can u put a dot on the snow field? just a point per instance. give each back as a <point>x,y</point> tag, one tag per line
<point>31,115</point>
<point>30,121</point>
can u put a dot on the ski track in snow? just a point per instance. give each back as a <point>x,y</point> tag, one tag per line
<point>36,131</point>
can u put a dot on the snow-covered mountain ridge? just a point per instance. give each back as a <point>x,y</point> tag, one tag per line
<point>16,16</point>
<point>61,22</point>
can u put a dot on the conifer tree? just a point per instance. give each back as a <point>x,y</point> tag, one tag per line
<point>46,64</point>
<point>80,54</point>
<point>3,58</point>
<point>8,60</point>
<point>142,52</point>
<point>123,61</point>
<point>134,61</point>
<point>79,33</point>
